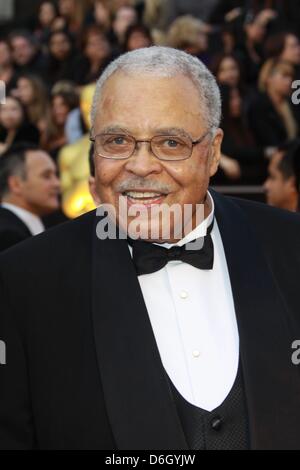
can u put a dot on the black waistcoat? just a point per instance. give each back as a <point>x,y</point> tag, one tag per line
<point>224,428</point>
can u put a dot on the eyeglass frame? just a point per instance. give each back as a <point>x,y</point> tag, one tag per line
<point>137,141</point>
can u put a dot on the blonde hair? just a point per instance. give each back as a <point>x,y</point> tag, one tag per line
<point>269,68</point>
<point>184,31</point>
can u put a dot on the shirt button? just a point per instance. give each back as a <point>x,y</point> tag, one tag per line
<point>216,423</point>
<point>183,294</point>
<point>196,353</point>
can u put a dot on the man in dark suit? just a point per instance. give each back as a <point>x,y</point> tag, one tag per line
<point>164,341</point>
<point>29,189</point>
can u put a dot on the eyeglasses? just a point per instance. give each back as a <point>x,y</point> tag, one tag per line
<point>164,147</point>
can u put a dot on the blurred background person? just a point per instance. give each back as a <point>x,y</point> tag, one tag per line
<point>136,37</point>
<point>47,13</point>
<point>26,53</point>
<point>14,125</point>
<point>73,12</point>
<point>239,143</point>
<point>271,116</point>
<point>33,94</point>
<point>190,35</point>
<point>62,57</point>
<point>124,17</point>
<point>249,47</point>
<point>101,15</point>
<point>29,189</point>
<point>62,103</point>
<point>96,54</point>
<point>284,46</point>
<point>282,185</point>
<point>7,70</point>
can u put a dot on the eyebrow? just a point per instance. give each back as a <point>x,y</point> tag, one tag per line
<point>159,131</point>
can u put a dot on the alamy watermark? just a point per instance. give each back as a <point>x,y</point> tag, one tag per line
<point>296,94</point>
<point>161,222</point>
<point>296,353</point>
<point>2,353</point>
<point>2,92</point>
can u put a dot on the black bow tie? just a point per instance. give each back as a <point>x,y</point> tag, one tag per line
<point>149,257</point>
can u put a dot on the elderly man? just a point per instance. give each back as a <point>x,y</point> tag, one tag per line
<point>141,341</point>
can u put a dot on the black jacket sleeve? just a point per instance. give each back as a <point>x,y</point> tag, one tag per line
<point>16,427</point>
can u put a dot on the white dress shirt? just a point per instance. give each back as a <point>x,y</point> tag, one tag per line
<point>193,320</point>
<point>32,221</point>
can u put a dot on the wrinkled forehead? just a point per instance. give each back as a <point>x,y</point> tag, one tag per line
<point>147,96</point>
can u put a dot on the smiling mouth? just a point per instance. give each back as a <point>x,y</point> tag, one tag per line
<point>146,198</point>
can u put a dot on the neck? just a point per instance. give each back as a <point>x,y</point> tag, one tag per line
<point>276,99</point>
<point>16,201</point>
<point>291,204</point>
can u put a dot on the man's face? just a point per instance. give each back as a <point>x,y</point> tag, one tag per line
<point>277,188</point>
<point>22,50</point>
<point>40,189</point>
<point>144,106</point>
<point>5,54</point>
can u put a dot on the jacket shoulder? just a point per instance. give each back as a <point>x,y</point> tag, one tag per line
<point>55,243</point>
<point>274,227</point>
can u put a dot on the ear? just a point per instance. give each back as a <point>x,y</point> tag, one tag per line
<point>291,184</point>
<point>215,152</point>
<point>15,184</point>
<point>93,190</point>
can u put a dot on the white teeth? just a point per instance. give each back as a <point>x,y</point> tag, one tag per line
<point>139,195</point>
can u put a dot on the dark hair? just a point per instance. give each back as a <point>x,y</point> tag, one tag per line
<point>65,33</point>
<point>289,165</point>
<point>275,44</point>
<point>12,162</point>
<point>92,30</point>
<point>136,28</point>
<point>91,159</point>
<point>70,98</point>
<point>216,62</point>
<point>23,33</point>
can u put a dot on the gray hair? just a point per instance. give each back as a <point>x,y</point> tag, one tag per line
<point>167,62</point>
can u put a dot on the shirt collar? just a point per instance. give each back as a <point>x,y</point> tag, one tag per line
<point>32,221</point>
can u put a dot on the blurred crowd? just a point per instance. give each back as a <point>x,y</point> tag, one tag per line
<point>50,64</point>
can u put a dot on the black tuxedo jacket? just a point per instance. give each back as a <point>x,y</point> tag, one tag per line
<point>12,229</point>
<point>82,366</point>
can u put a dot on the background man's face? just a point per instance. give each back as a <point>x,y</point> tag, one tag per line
<point>22,50</point>
<point>40,189</point>
<point>144,106</point>
<point>278,189</point>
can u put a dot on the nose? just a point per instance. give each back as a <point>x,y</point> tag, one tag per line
<point>56,183</point>
<point>266,186</point>
<point>143,162</point>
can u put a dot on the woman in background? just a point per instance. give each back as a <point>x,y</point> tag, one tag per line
<point>62,56</point>
<point>33,94</point>
<point>62,103</point>
<point>238,142</point>
<point>272,117</point>
<point>96,55</point>
<point>15,125</point>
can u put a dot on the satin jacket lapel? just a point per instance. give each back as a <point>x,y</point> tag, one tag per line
<point>139,403</point>
<point>272,383</point>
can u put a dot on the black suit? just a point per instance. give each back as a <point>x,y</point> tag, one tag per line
<point>83,369</point>
<point>12,229</point>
